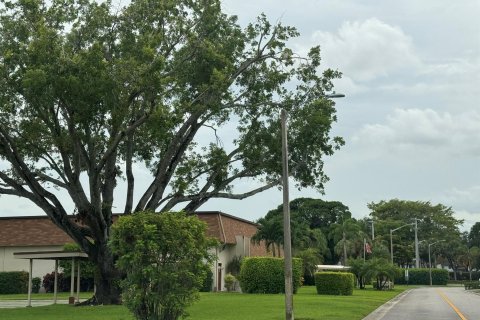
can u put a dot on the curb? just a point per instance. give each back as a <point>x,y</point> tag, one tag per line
<point>380,312</point>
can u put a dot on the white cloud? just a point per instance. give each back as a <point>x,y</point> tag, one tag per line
<point>425,130</point>
<point>469,218</point>
<point>464,198</point>
<point>367,50</point>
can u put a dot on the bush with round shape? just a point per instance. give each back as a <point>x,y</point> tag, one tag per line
<point>165,260</point>
<point>334,283</point>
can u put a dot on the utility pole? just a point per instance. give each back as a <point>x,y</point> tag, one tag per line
<point>373,230</point>
<point>287,238</point>
<point>417,254</point>
<point>287,242</point>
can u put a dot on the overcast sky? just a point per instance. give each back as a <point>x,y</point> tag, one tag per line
<point>411,116</point>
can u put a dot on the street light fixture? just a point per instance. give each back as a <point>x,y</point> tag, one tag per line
<point>391,238</point>
<point>430,260</point>
<point>287,238</point>
<point>417,254</point>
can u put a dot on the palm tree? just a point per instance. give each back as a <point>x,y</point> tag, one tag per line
<point>344,235</point>
<point>381,270</point>
<point>271,232</point>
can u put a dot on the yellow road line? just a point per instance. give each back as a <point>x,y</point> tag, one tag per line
<point>444,297</point>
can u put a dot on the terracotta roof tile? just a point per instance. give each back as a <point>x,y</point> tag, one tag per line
<point>39,230</point>
<point>30,231</point>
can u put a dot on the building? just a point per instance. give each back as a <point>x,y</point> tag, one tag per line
<point>38,233</point>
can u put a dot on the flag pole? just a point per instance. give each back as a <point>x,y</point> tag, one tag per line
<point>364,248</point>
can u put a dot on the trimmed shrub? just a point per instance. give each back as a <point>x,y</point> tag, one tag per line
<point>266,275</point>
<point>472,285</point>
<point>439,277</point>
<point>422,277</point>
<point>334,283</point>
<point>86,284</point>
<point>36,284</point>
<point>13,282</point>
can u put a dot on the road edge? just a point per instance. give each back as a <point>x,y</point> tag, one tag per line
<point>381,311</point>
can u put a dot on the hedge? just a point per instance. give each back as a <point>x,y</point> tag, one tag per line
<point>334,283</point>
<point>266,275</point>
<point>64,282</point>
<point>422,277</point>
<point>13,282</point>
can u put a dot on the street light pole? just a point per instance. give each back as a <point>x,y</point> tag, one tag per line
<point>417,254</point>
<point>287,238</point>
<point>373,229</point>
<point>391,245</point>
<point>430,260</point>
<point>391,239</point>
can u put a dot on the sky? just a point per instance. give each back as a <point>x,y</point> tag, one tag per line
<point>411,115</point>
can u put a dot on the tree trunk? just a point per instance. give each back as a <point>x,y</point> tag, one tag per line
<point>107,277</point>
<point>344,249</point>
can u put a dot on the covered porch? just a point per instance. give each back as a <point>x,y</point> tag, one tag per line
<point>57,256</point>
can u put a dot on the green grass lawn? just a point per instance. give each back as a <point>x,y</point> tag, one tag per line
<point>44,296</point>
<point>231,306</point>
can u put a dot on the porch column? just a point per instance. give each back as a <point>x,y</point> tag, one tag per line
<point>78,281</point>
<point>29,304</point>
<point>55,283</point>
<point>71,300</point>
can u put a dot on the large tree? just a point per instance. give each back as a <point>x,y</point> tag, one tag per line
<point>89,88</point>
<point>321,214</point>
<point>474,235</point>
<point>435,222</point>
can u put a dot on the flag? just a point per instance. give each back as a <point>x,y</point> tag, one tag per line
<point>368,249</point>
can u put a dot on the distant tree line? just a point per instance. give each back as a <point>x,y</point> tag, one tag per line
<point>324,232</point>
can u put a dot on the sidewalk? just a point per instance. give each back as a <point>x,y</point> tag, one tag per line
<point>23,303</point>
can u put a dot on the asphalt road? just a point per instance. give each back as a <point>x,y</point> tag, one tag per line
<point>431,303</point>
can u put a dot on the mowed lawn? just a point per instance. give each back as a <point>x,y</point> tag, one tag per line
<point>229,306</point>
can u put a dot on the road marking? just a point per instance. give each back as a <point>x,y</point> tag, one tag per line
<point>444,297</point>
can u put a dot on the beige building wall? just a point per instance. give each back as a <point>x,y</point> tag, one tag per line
<point>40,267</point>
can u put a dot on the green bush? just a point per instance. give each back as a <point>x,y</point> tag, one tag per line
<point>439,277</point>
<point>472,285</point>
<point>207,282</point>
<point>334,283</point>
<point>13,282</point>
<point>230,282</point>
<point>165,260</point>
<point>422,277</point>
<point>36,284</point>
<point>266,275</point>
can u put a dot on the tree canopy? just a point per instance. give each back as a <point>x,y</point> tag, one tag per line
<point>474,235</point>
<point>91,91</point>
<point>435,222</point>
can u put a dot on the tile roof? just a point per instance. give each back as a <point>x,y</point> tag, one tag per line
<point>40,230</point>
<point>30,231</point>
